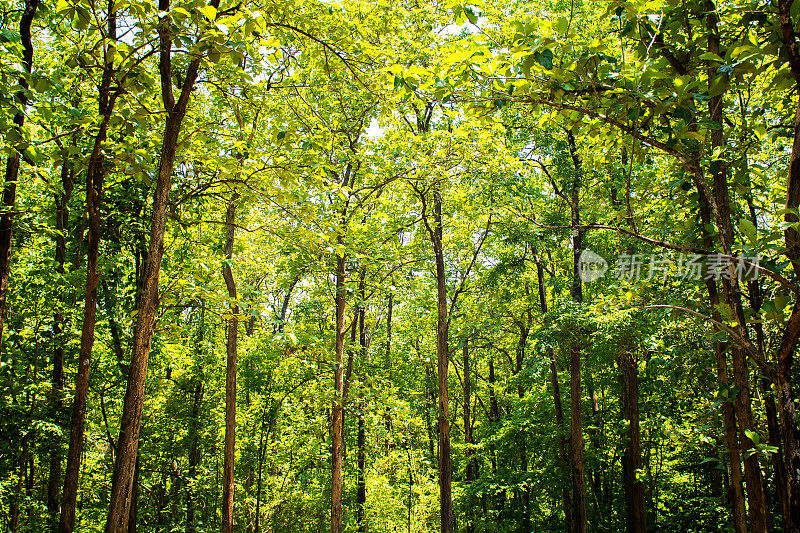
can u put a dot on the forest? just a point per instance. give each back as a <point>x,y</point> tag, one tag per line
<point>409,266</point>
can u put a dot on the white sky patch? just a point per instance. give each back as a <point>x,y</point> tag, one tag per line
<point>375,130</point>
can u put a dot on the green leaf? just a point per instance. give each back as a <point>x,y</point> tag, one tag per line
<point>753,436</point>
<point>748,229</point>
<point>63,6</point>
<point>471,16</point>
<point>708,56</point>
<point>209,11</point>
<point>544,58</point>
<point>719,85</point>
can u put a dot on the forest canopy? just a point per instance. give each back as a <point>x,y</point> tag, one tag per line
<point>346,266</point>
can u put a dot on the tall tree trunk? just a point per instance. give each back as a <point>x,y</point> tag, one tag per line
<point>563,458</point>
<point>134,513</point>
<point>447,523</point>
<point>95,176</point>
<point>752,470</point>
<point>285,305</point>
<point>194,426</point>
<point>786,394</point>
<point>147,297</point>
<point>494,408</point>
<point>261,452</point>
<point>470,466</point>
<point>194,453</point>
<point>361,481</point>
<point>337,416</point>
<point>13,162</point>
<point>428,406</point>
<point>735,486</point>
<point>390,308</point>
<point>62,221</point>
<point>635,517</point>
<point>337,413</point>
<point>576,416</point>
<point>228,480</point>
<point>524,330</point>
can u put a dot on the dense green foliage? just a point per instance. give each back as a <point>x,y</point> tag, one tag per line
<point>347,135</point>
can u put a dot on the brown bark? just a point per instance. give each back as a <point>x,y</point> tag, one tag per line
<point>742,402</point>
<point>147,297</point>
<point>447,522</point>
<point>786,394</point>
<point>390,306</point>
<point>580,523</point>
<point>339,381</point>
<point>228,480</point>
<point>471,467</point>
<point>194,452</point>
<point>285,305</point>
<point>563,441</point>
<point>337,416</point>
<point>134,513</point>
<point>361,483</point>
<point>494,408</point>
<point>361,480</point>
<point>110,301</point>
<point>735,486</point>
<point>524,331</point>
<point>635,517</point>
<point>13,162</point>
<point>95,176</point>
<point>57,379</point>
<point>261,453</point>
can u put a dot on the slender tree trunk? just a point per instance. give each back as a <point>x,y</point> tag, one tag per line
<point>13,162</point>
<point>756,299</point>
<point>447,522</point>
<point>228,480</point>
<point>361,485</point>
<point>524,330</point>
<point>563,442</point>
<point>14,511</point>
<point>285,305</point>
<point>576,415</point>
<point>428,406</point>
<point>110,301</point>
<point>388,359</point>
<point>635,516</point>
<point>735,485</point>
<point>194,452</point>
<point>390,307</point>
<point>752,470</point>
<point>147,298</point>
<point>470,466</point>
<point>786,394</point>
<point>337,417</point>
<point>62,221</point>
<point>339,382</point>
<point>361,481</point>
<point>494,408</point>
<point>261,452</point>
<point>95,176</point>
<point>134,513</point>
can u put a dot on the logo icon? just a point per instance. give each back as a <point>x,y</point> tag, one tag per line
<point>591,266</point>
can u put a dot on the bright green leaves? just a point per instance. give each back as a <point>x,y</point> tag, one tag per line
<point>718,85</point>
<point>210,12</point>
<point>544,58</point>
<point>78,14</point>
<point>748,230</point>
